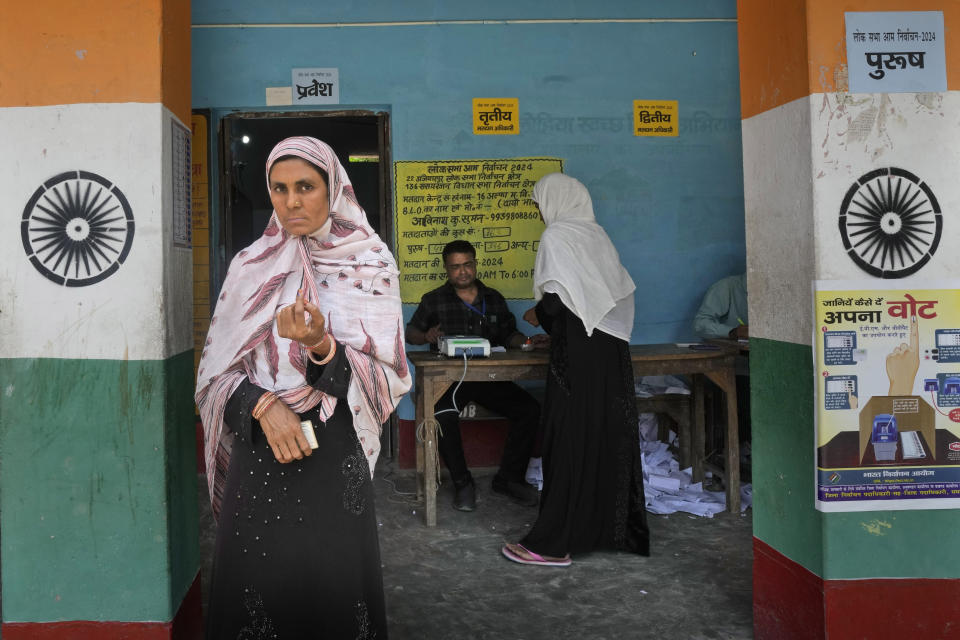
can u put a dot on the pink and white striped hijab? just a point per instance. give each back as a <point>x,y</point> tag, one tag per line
<point>350,274</point>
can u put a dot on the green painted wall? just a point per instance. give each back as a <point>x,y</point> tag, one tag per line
<point>97,488</point>
<point>781,422</point>
<point>834,546</point>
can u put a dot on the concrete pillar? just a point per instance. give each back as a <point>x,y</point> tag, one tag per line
<point>98,511</point>
<point>806,139</point>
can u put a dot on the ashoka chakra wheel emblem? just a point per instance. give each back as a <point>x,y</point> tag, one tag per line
<point>890,223</point>
<point>77,228</point>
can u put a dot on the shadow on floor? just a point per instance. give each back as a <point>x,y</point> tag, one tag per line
<point>450,582</point>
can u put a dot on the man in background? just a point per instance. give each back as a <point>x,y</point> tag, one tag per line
<point>723,312</point>
<point>466,306</point>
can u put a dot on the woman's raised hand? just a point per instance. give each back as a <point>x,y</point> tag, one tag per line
<point>281,426</point>
<point>530,315</point>
<point>291,323</point>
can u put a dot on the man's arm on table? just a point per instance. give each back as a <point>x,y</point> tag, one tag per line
<point>424,327</point>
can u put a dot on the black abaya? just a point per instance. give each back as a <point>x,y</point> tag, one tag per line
<point>592,479</point>
<point>297,554</point>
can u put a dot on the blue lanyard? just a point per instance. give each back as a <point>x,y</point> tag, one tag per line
<point>482,310</point>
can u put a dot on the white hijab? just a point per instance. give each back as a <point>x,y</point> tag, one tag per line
<point>577,261</point>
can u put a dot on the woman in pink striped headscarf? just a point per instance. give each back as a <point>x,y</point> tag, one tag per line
<point>303,363</point>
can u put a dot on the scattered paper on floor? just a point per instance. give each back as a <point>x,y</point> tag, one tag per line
<point>667,488</point>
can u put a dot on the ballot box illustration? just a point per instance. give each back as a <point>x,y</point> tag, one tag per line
<point>885,421</point>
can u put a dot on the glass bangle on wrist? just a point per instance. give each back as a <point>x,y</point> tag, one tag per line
<point>320,342</point>
<point>263,404</point>
<point>328,357</point>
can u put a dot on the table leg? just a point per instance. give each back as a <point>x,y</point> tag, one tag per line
<point>699,429</point>
<point>727,380</point>
<point>420,415</point>
<point>433,388</point>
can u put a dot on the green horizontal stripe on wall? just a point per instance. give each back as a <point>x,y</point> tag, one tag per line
<point>892,544</point>
<point>97,488</point>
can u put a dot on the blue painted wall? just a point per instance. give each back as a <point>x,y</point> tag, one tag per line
<point>673,206</point>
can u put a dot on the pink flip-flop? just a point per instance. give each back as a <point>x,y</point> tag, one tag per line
<point>535,558</point>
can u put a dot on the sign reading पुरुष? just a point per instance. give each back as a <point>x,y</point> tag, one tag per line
<point>316,86</point>
<point>655,118</point>
<point>896,51</point>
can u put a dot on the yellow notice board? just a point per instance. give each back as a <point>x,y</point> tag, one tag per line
<point>487,202</point>
<point>496,116</point>
<point>655,118</point>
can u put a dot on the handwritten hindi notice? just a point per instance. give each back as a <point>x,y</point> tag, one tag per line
<point>316,86</point>
<point>496,116</point>
<point>896,51</point>
<point>655,118</point>
<point>487,202</point>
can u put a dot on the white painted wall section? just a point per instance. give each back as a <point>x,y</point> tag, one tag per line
<point>143,310</point>
<point>778,204</point>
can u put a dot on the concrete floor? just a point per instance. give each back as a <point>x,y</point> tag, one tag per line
<point>450,582</point>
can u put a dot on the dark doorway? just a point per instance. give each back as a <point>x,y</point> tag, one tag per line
<point>360,139</point>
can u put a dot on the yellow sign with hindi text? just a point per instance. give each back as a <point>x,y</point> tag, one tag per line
<point>655,118</point>
<point>486,202</point>
<point>496,116</point>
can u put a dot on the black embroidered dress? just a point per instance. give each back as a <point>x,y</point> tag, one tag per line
<point>592,479</point>
<point>297,554</point>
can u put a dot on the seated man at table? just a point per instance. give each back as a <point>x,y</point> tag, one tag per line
<point>723,312</point>
<point>465,306</point>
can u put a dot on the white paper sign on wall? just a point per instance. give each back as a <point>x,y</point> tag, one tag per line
<point>896,51</point>
<point>316,86</point>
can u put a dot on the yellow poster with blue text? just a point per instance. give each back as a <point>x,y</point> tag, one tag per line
<point>487,202</point>
<point>888,395</point>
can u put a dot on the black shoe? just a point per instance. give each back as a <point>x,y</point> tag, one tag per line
<point>522,492</point>
<point>465,498</point>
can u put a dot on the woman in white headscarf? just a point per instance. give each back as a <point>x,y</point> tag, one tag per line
<point>592,480</point>
<point>303,363</point>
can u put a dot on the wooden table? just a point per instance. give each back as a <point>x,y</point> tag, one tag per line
<point>435,374</point>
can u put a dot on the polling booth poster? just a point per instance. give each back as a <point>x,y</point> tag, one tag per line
<point>887,364</point>
<point>487,202</point>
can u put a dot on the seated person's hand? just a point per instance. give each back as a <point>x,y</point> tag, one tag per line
<point>433,334</point>
<point>540,341</point>
<point>530,316</point>
<point>740,332</point>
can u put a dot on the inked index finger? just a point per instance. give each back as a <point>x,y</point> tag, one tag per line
<point>298,312</point>
<point>914,333</point>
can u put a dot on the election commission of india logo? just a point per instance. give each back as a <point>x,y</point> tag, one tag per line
<point>77,228</point>
<point>890,223</point>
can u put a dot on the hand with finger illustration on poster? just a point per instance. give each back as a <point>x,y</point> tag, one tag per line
<point>903,363</point>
